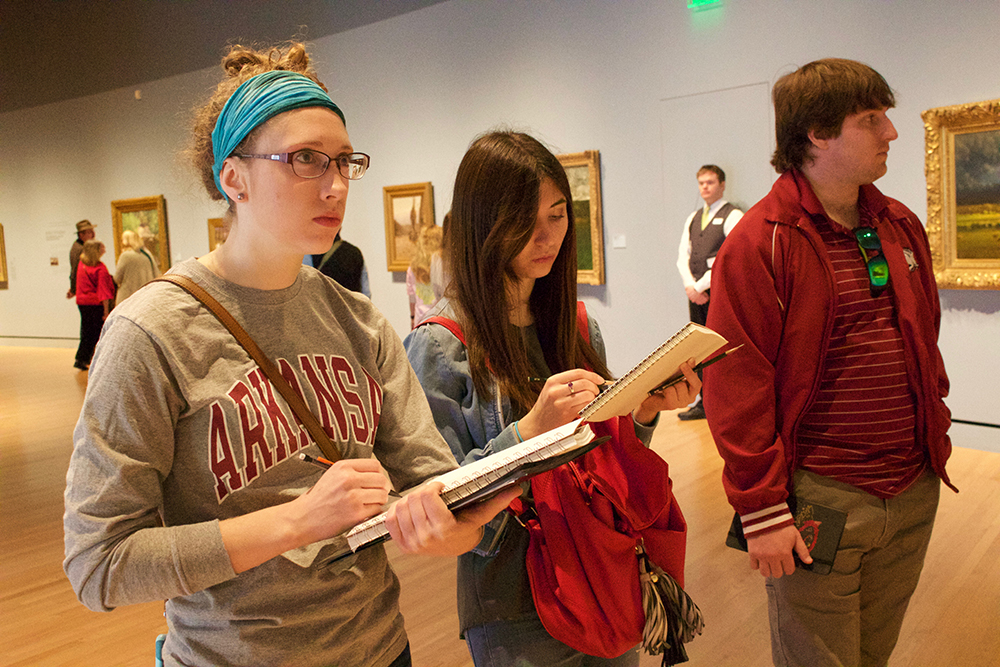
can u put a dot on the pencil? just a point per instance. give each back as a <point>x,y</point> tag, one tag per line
<point>320,462</point>
<point>708,362</point>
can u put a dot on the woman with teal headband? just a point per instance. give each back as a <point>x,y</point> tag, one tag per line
<point>186,482</point>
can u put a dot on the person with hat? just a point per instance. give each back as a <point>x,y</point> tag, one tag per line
<point>84,232</point>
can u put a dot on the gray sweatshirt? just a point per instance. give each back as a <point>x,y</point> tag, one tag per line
<point>178,422</point>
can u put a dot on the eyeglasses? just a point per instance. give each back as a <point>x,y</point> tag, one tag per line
<point>878,267</point>
<point>309,163</point>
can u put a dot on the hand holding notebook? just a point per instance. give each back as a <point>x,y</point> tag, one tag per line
<point>474,482</point>
<point>658,370</point>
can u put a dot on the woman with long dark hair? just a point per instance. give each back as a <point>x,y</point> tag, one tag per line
<point>521,370</point>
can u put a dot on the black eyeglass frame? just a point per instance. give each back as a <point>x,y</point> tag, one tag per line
<point>877,266</point>
<point>344,161</point>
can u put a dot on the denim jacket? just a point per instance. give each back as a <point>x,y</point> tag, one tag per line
<point>492,578</point>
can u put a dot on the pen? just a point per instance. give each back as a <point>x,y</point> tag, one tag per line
<point>708,362</point>
<point>320,462</point>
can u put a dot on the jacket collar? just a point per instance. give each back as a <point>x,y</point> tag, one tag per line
<point>794,199</point>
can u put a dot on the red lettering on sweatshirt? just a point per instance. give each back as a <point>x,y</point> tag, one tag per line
<point>343,414</point>
<point>375,401</point>
<point>220,456</point>
<point>347,383</point>
<point>292,379</point>
<point>331,409</point>
<point>255,446</point>
<point>285,436</point>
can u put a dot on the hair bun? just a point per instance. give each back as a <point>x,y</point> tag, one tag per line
<point>240,58</point>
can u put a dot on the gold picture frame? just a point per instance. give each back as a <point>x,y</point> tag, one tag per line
<point>147,216</point>
<point>4,280</point>
<point>218,230</point>
<point>407,209</point>
<point>584,173</point>
<point>963,194</point>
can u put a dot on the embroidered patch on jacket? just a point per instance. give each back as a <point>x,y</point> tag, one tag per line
<point>911,261</point>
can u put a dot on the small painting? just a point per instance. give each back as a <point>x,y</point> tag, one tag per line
<point>584,173</point>
<point>218,230</point>
<point>408,208</point>
<point>147,217</point>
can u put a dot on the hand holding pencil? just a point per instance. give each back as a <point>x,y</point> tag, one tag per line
<point>670,397</point>
<point>325,464</point>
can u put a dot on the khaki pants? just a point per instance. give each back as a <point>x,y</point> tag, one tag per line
<point>852,616</point>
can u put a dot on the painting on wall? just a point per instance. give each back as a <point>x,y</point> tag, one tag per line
<point>408,208</point>
<point>147,217</point>
<point>584,173</point>
<point>3,261</point>
<point>963,194</point>
<point>218,230</point>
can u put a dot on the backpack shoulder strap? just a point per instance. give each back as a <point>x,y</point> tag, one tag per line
<point>582,323</point>
<point>449,324</point>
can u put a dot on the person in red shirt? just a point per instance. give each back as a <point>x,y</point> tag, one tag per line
<point>836,398</point>
<point>95,292</point>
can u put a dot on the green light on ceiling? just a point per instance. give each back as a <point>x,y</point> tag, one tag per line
<point>703,4</point>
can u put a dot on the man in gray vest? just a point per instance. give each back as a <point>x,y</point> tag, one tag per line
<point>704,232</point>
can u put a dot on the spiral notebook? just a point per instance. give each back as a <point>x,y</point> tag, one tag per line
<point>491,474</point>
<point>659,369</point>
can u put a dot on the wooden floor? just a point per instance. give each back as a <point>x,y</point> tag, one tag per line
<point>953,621</point>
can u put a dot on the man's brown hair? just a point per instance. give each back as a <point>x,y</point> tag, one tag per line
<point>711,168</point>
<point>818,97</point>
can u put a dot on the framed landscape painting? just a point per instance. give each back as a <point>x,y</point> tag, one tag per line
<point>218,230</point>
<point>963,194</point>
<point>408,208</point>
<point>584,173</point>
<point>146,216</point>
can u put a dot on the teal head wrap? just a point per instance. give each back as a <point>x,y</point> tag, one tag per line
<point>257,100</point>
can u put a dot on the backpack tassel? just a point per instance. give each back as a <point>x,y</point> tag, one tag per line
<point>672,617</point>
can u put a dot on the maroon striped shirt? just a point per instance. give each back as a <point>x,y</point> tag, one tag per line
<point>860,429</point>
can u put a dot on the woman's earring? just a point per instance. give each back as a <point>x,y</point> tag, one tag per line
<point>240,196</point>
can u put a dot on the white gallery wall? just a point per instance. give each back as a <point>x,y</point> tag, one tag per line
<point>657,88</point>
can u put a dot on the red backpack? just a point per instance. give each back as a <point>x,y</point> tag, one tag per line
<point>607,541</point>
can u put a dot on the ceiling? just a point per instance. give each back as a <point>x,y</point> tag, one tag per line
<point>52,50</point>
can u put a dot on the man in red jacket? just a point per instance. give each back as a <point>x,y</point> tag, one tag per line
<point>837,396</point>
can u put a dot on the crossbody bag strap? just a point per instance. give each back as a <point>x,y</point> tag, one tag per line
<point>294,401</point>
